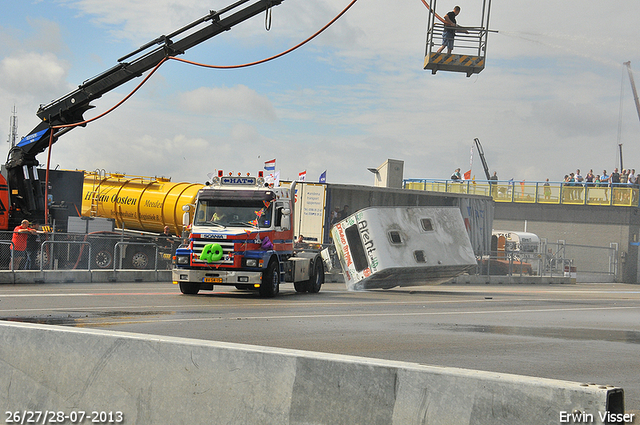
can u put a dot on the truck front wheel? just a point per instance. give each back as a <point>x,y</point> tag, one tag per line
<point>270,281</point>
<point>189,288</point>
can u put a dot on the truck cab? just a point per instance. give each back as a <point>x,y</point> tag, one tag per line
<point>242,235</point>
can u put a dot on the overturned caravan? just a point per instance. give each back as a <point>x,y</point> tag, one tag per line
<point>385,247</point>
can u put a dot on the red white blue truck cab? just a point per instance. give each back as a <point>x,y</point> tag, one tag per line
<point>242,235</point>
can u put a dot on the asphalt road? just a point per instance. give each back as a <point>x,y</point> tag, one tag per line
<point>585,332</point>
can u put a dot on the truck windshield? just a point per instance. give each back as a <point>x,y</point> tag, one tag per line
<point>233,213</point>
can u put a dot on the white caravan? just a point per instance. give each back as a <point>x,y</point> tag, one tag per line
<point>385,247</point>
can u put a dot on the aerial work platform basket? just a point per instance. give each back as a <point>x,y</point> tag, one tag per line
<point>469,46</point>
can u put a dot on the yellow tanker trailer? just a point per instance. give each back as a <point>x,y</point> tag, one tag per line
<point>137,203</point>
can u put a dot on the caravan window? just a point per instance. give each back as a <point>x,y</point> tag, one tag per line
<point>419,256</point>
<point>357,249</point>
<point>426,224</point>
<point>395,238</point>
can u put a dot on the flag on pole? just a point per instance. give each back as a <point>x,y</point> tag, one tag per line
<point>270,165</point>
<point>467,175</point>
<point>273,179</point>
<point>323,177</point>
<point>302,175</point>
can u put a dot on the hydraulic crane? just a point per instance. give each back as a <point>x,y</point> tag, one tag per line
<point>633,87</point>
<point>635,99</point>
<point>484,161</point>
<point>26,188</point>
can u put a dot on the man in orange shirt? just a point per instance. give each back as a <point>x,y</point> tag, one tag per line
<point>19,239</point>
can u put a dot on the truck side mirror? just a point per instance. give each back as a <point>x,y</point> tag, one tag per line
<point>185,218</point>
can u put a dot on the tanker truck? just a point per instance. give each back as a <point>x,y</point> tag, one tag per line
<point>141,208</point>
<point>140,203</point>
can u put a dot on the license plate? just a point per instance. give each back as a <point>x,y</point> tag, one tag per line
<point>212,280</point>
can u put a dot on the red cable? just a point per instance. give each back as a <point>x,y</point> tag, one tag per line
<point>317,33</point>
<point>210,66</point>
<point>437,16</point>
<point>117,104</point>
<point>189,62</point>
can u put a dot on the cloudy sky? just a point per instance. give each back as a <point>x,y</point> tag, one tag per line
<point>554,95</point>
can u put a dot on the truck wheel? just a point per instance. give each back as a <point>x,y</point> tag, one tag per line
<point>103,259</point>
<point>270,281</point>
<point>139,260</point>
<point>317,279</point>
<point>189,288</point>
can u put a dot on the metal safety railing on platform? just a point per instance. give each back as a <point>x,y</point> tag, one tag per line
<point>616,194</point>
<point>469,43</point>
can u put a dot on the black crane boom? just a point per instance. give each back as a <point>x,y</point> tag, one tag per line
<point>27,196</point>
<point>484,161</point>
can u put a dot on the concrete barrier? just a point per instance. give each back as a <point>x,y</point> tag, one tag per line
<point>164,380</point>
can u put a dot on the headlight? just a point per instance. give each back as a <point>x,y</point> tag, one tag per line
<point>182,259</point>
<point>252,262</point>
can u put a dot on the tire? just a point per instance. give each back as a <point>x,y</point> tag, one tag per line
<point>301,286</point>
<point>270,280</point>
<point>189,288</point>
<point>139,260</point>
<point>103,259</point>
<point>317,278</point>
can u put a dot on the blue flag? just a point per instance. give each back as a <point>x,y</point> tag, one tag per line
<point>323,177</point>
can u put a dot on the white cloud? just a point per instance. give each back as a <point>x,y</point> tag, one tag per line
<point>238,101</point>
<point>32,73</point>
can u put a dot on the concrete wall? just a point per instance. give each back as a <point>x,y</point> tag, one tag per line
<point>580,225</point>
<point>164,380</point>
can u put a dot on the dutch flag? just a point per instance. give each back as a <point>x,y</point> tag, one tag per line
<point>270,165</point>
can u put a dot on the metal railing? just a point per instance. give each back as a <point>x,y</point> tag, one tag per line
<point>616,194</point>
<point>553,259</point>
<point>472,40</point>
<point>94,251</point>
<point>139,259</point>
<point>48,256</point>
<point>10,245</point>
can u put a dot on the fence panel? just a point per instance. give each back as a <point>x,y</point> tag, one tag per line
<point>585,263</point>
<point>94,251</point>
<point>50,255</point>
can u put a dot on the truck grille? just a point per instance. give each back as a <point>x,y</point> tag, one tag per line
<point>227,249</point>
